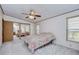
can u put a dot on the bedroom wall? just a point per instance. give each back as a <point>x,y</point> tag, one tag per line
<point>13,19</point>
<point>0,26</point>
<point>57,26</point>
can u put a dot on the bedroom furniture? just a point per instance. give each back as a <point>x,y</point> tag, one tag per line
<point>35,42</point>
<point>23,34</point>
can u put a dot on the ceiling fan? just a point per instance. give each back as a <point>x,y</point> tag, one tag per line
<point>32,15</point>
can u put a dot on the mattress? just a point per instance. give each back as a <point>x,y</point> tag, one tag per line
<point>35,41</point>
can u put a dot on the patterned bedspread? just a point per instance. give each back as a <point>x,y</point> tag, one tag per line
<point>35,41</point>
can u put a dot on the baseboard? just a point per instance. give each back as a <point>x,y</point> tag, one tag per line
<point>66,47</point>
<point>0,46</point>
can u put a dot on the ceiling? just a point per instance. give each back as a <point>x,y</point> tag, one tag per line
<point>45,10</point>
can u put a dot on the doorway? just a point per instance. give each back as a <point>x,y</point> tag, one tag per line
<point>20,30</point>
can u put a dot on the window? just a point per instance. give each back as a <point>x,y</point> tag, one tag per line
<point>16,28</point>
<point>73,28</point>
<point>21,28</point>
<point>25,28</point>
<point>37,29</point>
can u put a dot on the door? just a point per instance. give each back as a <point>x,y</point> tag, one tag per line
<point>7,31</point>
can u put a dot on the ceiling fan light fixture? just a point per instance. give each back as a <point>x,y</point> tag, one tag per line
<point>33,13</point>
<point>31,17</point>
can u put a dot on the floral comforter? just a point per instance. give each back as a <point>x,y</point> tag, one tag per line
<point>35,41</point>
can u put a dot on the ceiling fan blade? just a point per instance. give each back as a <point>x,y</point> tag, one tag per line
<point>25,13</point>
<point>26,17</point>
<point>35,18</point>
<point>38,15</point>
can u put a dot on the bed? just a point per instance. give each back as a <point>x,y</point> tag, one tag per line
<point>35,42</point>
